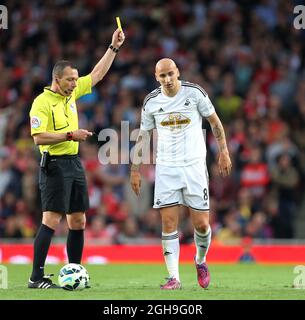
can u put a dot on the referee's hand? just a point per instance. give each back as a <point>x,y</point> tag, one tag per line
<point>118,38</point>
<point>81,135</point>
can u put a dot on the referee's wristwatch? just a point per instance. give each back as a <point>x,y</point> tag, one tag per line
<point>69,136</point>
<point>114,49</point>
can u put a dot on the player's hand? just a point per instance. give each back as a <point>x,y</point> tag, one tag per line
<point>118,38</point>
<point>81,135</point>
<point>135,181</point>
<point>224,163</point>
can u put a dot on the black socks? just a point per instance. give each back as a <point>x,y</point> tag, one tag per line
<point>75,245</point>
<point>41,247</point>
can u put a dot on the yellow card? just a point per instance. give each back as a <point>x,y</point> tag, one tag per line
<point>118,21</point>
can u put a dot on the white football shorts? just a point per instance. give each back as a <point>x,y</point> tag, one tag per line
<point>182,185</point>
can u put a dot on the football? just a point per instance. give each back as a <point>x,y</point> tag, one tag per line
<point>73,276</point>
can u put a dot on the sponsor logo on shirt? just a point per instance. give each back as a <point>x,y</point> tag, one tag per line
<point>175,121</point>
<point>35,122</point>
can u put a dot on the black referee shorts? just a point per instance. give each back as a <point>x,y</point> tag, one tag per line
<point>63,185</point>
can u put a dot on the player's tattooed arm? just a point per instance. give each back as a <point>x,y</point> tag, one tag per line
<point>142,143</point>
<point>218,132</point>
<point>224,161</point>
<point>219,135</point>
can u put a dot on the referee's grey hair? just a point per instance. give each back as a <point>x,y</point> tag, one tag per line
<point>59,67</point>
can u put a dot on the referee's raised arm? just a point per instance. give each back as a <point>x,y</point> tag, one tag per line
<point>101,68</point>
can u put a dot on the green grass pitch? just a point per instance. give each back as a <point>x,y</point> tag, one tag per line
<point>141,282</point>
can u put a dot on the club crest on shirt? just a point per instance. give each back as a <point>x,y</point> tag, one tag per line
<point>35,122</point>
<point>73,107</point>
<point>175,121</point>
<point>187,102</point>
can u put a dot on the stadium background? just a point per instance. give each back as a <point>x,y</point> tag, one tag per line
<point>248,57</point>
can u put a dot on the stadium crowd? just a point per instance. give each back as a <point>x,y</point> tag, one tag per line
<point>246,54</point>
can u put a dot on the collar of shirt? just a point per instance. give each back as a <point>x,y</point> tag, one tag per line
<point>53,93</point>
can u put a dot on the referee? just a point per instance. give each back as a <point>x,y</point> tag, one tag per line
<point>63,188</point>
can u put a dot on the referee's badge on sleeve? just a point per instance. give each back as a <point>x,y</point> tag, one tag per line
<point>73,107</point>
<point>35,122</point>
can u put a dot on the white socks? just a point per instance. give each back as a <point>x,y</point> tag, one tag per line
<point>202,242</point>
<point>171,250</point>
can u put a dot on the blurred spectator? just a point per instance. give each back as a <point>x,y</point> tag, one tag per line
<point>254,175</point>
<point>231,230</point>
<point>99,230</point>
<point>284,86</point>
<point>265,75</point>
<point>8,176</point>
<point>150,223</point>
<point>12,228</point>
<point>276,127</point>
<point>247,255</point>
<point>8,205</point>
<point>245,204</point>
<point>129,232</point>
<point>228,103</point>
<point>258,226</point>
<point>285,179</point>
<point>282,144</point>
<point>25,219</point>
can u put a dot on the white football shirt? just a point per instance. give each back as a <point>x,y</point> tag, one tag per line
<point>178,121</point>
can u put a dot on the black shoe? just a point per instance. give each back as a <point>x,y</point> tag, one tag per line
<point>44,283</point>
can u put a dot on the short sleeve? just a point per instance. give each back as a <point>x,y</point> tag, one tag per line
<point>147,119</point>
<point>205,106</point>
<point>38,117</point>
<point>84,86</point>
